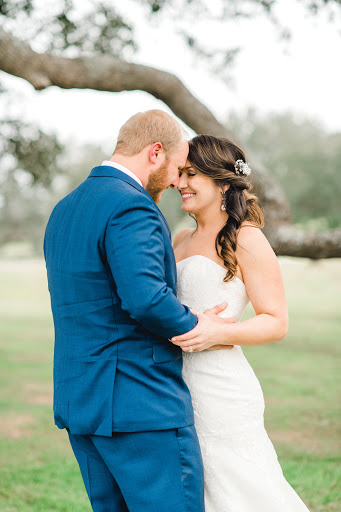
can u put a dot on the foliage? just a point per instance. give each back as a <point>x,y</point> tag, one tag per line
<point>11,8</point>
<point>62,28</point>
<point>36,171</point>
<point>28,157</point>
<point>101,28</point>
<point>305,159</point>
<point>32,151</point>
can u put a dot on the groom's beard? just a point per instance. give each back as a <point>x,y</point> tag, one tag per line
<point>158,181</point>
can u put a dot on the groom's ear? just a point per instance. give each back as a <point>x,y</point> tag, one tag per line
<point>154,152</point>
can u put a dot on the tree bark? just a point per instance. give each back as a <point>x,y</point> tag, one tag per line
<point>288,241</point>
<point>105,73</point>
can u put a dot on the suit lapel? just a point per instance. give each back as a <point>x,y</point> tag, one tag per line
<point>164,221</point>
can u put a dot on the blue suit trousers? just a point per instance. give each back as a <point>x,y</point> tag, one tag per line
<point>158,471</point>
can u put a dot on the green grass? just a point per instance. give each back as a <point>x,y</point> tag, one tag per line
<point>300,377</point>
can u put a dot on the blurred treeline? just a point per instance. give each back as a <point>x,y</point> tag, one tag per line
<point>304,158</point>
<point>37,170</point>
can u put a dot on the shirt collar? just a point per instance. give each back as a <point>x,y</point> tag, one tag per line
<point>123,169</point>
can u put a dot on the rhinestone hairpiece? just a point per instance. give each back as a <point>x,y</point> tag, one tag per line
<point>242,168</point>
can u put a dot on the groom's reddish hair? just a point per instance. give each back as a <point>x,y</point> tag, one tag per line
<point>145,128</point>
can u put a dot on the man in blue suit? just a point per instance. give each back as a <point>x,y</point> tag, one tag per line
<point>111,271</point>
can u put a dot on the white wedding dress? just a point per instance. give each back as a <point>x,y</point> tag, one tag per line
<point>242,473</point>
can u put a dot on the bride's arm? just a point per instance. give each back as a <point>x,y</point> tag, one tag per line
<point>264,286</point>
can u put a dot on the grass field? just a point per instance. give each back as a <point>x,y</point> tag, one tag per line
<point>300,377</point>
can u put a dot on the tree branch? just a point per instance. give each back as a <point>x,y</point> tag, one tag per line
<point>288,241</point>
<point>105,73</point>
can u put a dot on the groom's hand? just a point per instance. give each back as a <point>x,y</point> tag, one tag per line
<point>208,333</point>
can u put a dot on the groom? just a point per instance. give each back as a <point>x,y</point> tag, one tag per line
<point>111,271</point>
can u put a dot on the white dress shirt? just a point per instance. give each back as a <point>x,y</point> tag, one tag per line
<point>123,169</point>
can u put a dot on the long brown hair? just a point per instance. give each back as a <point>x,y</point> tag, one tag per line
<point>215,158</point>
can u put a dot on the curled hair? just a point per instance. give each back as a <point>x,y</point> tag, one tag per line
<point>215,158</point>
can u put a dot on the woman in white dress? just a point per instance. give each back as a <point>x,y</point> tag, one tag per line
<point>227,258</point>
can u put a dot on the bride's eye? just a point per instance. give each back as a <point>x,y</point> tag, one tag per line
<point>191,174</point>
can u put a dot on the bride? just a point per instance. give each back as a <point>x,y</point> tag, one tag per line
<point>227,258</point>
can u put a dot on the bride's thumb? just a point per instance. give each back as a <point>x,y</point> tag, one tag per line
<point>217,309</point>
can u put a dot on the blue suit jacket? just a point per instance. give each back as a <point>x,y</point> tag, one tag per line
<point>112,279</point>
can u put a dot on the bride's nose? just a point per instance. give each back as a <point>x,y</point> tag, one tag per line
<point>182,181</point>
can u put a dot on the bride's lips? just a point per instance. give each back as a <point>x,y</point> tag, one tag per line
<point>186,196</point>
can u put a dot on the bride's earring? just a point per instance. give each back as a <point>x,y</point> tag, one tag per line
<point>223,204</point>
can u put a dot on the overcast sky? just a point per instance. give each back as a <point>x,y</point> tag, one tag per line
<point>302,76</point>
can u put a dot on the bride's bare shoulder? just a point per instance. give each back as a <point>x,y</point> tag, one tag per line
<point>248,229</point>
<point>251,241</point>
<point>181,236</point>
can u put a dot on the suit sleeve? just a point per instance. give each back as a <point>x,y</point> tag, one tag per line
<point>135,252</point>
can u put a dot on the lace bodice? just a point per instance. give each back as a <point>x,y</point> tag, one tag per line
<point>201,286</point>
<point>220,372</point>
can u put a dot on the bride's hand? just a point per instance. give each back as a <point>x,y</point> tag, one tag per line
<point>207,335</point>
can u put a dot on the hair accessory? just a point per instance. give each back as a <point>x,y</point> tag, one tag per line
<point>242,168</point>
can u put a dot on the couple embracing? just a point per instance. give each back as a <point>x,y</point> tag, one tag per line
<point>162,409</point>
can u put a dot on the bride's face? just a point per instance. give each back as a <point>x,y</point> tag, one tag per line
<point>198,192</point>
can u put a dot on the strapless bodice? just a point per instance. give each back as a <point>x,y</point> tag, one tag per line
<point>218,374</point>
<point>200,285</point>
